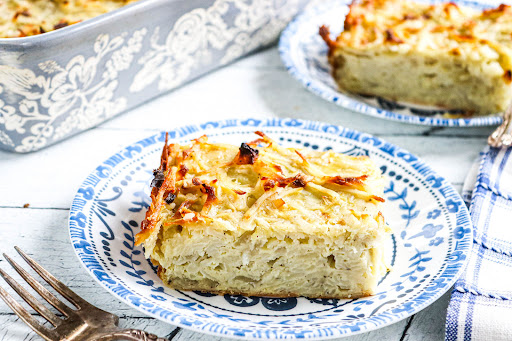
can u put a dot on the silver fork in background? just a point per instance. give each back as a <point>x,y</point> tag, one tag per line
<point>85,323</point>
<point>502,136</point>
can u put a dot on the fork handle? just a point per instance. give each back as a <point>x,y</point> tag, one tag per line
<point>131,335</point>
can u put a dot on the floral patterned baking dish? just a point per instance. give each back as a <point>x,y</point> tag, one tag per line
<point>62,82</point>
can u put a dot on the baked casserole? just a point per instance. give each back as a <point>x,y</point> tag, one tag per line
<point>264,220</point>
<point>433,54</point>
<point>21,18</point>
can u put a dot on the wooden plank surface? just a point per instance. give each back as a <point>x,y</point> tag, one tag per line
<point>256,86</point>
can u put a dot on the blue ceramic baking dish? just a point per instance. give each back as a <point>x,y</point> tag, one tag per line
<point>62,82</point>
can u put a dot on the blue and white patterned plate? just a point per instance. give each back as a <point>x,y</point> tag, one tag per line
<point>304,54</point>
<point>432,236</point>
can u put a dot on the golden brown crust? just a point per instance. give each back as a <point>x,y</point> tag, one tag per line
<point>167,188</point>
<point>508,76</point>
<point>326,36</point>
<point>501,9</point>
<point>382,21</point>
<point>157,196</point>
<point>22,18</point>
<point>378,198</point>
<point>246,155</point>
<point>166,176</point>
<point>357,182</point>
<point>391,37</point>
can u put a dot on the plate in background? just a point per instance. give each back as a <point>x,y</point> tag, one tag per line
<point>432,238</point>
<point>304,54</point>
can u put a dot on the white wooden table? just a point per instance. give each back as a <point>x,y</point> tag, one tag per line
<point>255,86</point>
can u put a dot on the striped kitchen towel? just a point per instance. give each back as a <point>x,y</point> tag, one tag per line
<point>481,303</point>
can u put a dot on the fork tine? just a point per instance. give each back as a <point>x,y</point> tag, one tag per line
<point>41,290</point>
<point>31,300</point>
<point>24,315</point>
<point>54,282</point>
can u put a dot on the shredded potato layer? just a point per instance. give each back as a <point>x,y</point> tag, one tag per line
<point>237,219</point>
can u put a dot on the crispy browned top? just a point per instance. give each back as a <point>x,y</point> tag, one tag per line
<point>203,181</point>
<point>399,26</point>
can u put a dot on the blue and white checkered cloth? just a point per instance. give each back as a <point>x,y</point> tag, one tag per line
<point>481,303</point>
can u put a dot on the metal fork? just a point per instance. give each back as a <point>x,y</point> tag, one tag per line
<point>502,136</point>
<point>85,323</point>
